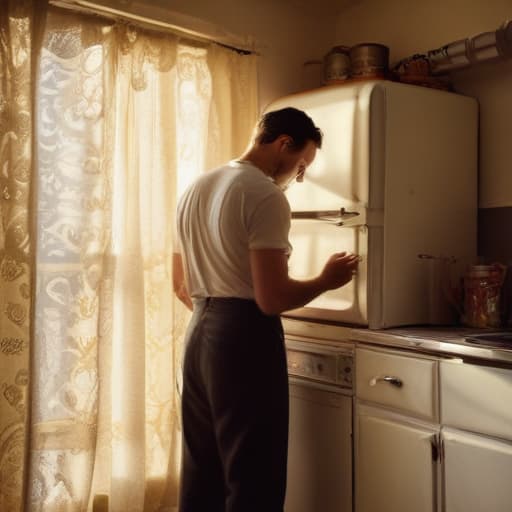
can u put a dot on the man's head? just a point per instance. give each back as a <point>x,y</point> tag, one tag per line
<point>289,139</point>
<point>288,121</point>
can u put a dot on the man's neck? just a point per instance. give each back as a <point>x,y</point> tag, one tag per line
<point>260,159</point>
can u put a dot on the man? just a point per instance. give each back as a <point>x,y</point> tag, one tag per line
<point>233,227</point>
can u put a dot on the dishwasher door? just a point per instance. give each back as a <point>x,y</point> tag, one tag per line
<point>319,448</point>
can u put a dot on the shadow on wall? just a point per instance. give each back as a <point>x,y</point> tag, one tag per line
<point>495,245</point>
<point>494,234</point>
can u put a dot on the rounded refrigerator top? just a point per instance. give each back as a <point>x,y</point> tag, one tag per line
<point>338,177</point>
<point>348,172</point>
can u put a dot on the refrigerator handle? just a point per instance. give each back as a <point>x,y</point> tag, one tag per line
<point>335,216</point>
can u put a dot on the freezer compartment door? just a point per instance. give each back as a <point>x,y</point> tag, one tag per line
<point>313,242</point>
<point>338,177</point>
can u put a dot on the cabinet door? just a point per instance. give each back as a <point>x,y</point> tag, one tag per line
<point>476,398</point>
<point>395,470</point>
<point>478,470</point>
<point>319,451</point>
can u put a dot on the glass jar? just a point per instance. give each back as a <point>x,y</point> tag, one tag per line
<point>482,290</point>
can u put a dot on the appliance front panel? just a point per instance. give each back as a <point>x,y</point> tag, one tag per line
<point>402,160</point>
<point>336,180</point>
<point>430,203</point>
<point>338,177</point>
<point>313,242</point>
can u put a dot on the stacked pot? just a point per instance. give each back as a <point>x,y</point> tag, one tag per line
<point>365,60</point>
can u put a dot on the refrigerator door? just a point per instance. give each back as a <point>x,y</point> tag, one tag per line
<point>330,209</point>
<point>338,177</point>
<point>430,200</point>
<point>313,242</point>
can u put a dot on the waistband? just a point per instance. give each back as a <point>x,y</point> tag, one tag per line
<point>229,304</point>
<point>235,301</point>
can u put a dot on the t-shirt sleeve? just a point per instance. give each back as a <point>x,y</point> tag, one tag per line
<point>269,224</point>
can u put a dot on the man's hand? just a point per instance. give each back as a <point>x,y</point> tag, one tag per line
<point>339,269</point>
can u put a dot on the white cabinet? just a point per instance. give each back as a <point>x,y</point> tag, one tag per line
<point>477,473</point>
<point>319,451</point>
<point>397,434</point>
<point>432,434</point>
<point>403,383</point>
<point>476,414</point>
<point>477,398</point>
<point>396,464</point>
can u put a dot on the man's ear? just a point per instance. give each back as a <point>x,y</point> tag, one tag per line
<point>285,142</point>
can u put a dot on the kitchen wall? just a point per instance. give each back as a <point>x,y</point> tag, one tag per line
<point>292,36</point>
<point>410,27</point>
<point>286,33</point>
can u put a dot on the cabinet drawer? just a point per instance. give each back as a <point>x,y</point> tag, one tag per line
<point>405,383</point>
<point>476,398</point>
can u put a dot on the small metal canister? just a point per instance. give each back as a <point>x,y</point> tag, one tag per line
<point>336,65</point>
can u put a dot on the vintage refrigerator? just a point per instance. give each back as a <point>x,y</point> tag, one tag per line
<point>396,183</point>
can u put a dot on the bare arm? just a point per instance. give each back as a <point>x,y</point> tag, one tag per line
<point>178,281</point>
<point>275,292</point>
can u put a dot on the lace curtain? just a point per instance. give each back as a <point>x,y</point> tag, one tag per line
<point>20,29</point>
<point>124,120</point>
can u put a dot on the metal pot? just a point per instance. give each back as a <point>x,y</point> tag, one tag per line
<point>369,60</point>
<point>336,65</point>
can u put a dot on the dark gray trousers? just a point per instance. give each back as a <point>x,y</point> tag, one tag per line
<point>234,409</point>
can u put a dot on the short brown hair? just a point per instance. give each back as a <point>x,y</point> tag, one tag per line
<point>288,121</point>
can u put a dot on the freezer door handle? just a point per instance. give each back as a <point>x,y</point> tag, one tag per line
<point>335,216</point>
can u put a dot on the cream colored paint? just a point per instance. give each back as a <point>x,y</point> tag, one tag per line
<point>412,26</point>
<point>287,33</point>
<point>492,85</point>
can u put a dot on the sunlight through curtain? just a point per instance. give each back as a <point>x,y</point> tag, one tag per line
<point>126,118</point>
<point>21,23</point>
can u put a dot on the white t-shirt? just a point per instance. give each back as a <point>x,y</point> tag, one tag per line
<point>221,217</point>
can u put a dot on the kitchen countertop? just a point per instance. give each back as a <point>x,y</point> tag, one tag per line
<point>447,341</point>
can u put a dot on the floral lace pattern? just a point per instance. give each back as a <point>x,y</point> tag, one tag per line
<point>124,118</point>
<point>73,212</point>
<point>15,244</point>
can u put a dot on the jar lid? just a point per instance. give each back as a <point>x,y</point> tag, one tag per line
<point>481,267</point>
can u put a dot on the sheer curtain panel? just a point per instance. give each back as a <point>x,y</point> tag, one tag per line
<point>21,25</point>
<point>125,119</point>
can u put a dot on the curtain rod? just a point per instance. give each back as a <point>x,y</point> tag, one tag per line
<point>152,24</point>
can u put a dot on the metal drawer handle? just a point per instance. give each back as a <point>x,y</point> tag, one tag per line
<point>394,381</point>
